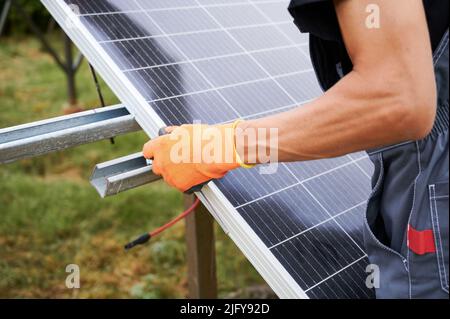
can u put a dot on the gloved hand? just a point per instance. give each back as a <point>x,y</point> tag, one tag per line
<point>190,155</point>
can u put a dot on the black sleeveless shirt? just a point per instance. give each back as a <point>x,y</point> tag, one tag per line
<point>328,52</point>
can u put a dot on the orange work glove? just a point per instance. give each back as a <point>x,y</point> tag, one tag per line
<point>191,155</point>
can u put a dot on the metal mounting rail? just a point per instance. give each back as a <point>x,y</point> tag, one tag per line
<point>42,137</point>
<point>119,175</point>
<point>59,133</point>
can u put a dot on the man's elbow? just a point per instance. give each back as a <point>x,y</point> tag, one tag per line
<point>415,115</point>
<point>408,97</point>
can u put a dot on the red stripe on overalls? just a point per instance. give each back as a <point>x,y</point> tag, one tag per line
<point>421,242</point>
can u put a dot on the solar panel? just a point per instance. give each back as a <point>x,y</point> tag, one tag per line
<point>175,61</point>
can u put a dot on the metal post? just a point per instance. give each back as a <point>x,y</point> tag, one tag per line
<point>201,253</point>
<point>70,71</point>
<point>4,15</point>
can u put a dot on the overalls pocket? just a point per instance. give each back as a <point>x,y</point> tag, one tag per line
<point>439,207</point>
<point>373,222</point>
<point>391,264</point>
<point>373,208</point>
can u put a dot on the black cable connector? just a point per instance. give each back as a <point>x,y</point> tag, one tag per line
<point>146,237</point>
<point>139,241</point>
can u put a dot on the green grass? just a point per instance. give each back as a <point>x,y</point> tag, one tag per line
<point>50,216</point>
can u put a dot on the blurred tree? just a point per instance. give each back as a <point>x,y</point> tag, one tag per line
<point>30,16</point>
<point>15,24</point>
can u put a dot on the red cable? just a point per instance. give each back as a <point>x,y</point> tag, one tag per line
<point>176,220</point>
<point>147,236</point>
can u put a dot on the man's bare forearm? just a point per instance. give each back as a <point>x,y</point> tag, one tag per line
<point>354,115</point>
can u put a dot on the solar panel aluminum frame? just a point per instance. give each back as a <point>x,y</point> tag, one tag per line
<point>218,205</point>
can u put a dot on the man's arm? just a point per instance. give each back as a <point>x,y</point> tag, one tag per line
<point>388,98</point>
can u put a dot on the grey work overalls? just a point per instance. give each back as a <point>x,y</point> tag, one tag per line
<point>406,230</point>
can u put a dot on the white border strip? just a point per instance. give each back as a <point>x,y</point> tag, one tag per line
<point>223,211</point>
